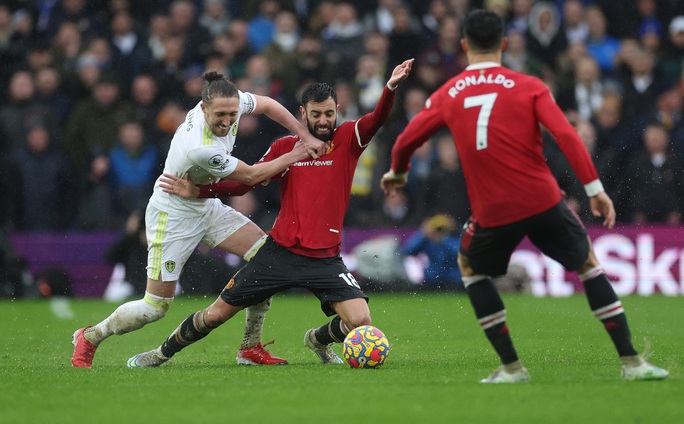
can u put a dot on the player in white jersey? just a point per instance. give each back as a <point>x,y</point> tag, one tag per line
<point>202,147</point>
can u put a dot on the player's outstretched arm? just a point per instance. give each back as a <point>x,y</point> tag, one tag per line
<point>602,205</point>
<point>281,115</point>
<point>400,73</point>
<point>252,175</point>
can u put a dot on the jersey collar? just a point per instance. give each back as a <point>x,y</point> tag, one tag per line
<point>482,65</point>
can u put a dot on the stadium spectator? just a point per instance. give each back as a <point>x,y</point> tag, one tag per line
<point>670,62</point>
<point>545,35</point>
<point>600,45</point>
<point>67,45</point>
<point>51,92</point>
<point>641,87</point>
<point>513,194</point>
<point>159,30</point>
<point>586,95</point>
<point>94,125</point>
<point>518,58</point>
<point>131,52</point>
<point>445,191</point>
<point>134,165</point>
<point>72,11</point>
<point>262,28</point>
<point>431,20</point>
<point>653,177</point>
<point>44,191</point>
<point>445,52</point>
<point>145,98</point>
<point>282,51</point>
<point>574,21</point>
<point>215,16</point>
<point>22,111</point>
<point>343,41</point>
<point>404,38</point>
<point>436,246</point>
<point>519,14</point>
<point>184,25</point>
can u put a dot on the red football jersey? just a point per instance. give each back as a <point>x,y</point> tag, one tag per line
<point>494,115</point>
<point>314,193</point>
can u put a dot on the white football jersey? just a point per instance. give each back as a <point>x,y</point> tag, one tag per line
<point>197,150</point>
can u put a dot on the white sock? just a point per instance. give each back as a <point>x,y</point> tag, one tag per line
<point>254,323</point>
<point>129,317</point>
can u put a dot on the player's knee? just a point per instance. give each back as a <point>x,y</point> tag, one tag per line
<point>464,266</point>
<point>358,321</point>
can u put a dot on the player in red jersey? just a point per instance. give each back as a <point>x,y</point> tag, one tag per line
<point>303,248</point>
<point>494,115</point>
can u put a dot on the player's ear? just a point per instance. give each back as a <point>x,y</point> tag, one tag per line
<point>504,43</point>
<point>303,112</point>
<point>464,45</point>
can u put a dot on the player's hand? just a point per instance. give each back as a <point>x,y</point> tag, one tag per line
<point>314,147</point>
<point>390,182</point>
<point>602,205</point>
<point>401,72</point>
<point>299,152</point>
<point>182,187</point>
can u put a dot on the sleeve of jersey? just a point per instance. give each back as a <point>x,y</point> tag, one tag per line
<point>417,132</point>
<point>551,116</point>
<point>370,123</point>
<point>228,188</point>
<point>214,160</point>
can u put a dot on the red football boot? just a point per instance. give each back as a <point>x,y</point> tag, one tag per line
<point>258,355</point>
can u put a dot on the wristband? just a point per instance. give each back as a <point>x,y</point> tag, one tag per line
<point>593,188</point>
<point>396,176</point>
<point>391,88</point>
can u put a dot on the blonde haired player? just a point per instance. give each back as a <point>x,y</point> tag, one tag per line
<point>202,147</point>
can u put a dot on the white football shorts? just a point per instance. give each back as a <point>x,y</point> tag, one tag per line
<point>172,239</point>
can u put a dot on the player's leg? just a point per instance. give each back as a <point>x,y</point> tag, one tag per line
<point>341,297</point>
<point>245,242</point>
<point>485,252</point>
<point>194,328</point>
<point>559,228</point>
<point>165,261</point>
<point>607,308</point>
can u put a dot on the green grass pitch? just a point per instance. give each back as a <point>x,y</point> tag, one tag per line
<point>438,354</point>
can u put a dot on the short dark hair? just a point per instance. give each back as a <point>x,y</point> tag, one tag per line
<point>483,30</point>
<point>317,93</point>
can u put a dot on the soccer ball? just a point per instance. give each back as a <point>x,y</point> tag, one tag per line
<point>365,347</point>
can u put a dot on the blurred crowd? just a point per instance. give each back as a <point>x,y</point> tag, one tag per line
<point>92,92</point>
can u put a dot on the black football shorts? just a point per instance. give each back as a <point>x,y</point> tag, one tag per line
<point>275,269</point>
<point>557,232</point>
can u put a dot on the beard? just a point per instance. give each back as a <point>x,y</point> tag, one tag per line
<point>323,137</point>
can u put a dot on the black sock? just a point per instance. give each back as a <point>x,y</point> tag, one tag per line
<point>491,313</point>
<point>190,331</point>
<point>606,306</point>
<point>331,332</point>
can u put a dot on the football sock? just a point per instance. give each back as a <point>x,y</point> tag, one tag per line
<point>491,314</point>
<point>607,308</point>
<point>254,323</point>
<point>334,331</point>
<point>129,317</point>
<point>191,330</point>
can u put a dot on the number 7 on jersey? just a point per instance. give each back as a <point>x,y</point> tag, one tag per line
<point>487,103</point>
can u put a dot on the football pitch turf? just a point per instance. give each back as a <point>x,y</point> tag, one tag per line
<point>438,354</point>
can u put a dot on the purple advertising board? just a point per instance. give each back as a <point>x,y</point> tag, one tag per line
<point>641,261</point>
